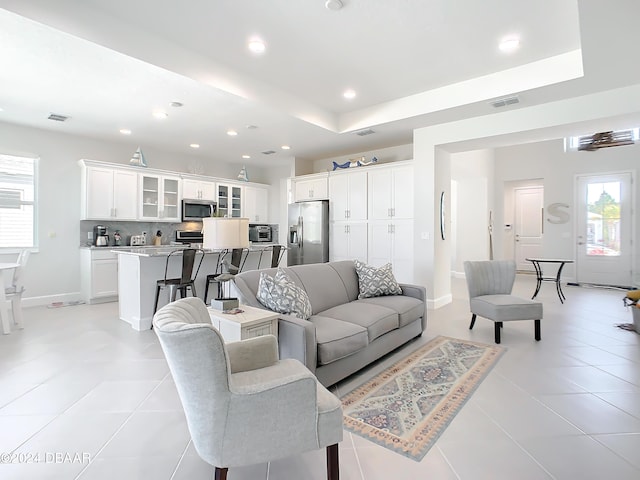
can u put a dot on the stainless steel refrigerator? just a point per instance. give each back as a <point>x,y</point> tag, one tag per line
<point>308,234</point>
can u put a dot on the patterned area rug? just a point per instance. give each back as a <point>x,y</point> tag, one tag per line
<point>408,406</point>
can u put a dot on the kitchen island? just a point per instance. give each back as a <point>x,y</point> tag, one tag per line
<point>140,268</point>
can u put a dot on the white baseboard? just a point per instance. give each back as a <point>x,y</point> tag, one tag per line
<point>49,299</point>
<point>439,302</point>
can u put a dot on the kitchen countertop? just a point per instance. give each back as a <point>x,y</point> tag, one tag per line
<point>164,250</point>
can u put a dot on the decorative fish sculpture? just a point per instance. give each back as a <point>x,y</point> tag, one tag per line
<point>355,162</point>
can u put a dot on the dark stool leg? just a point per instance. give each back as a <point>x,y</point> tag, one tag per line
<point>155,306</point>
<point>206,288</point>
<point>496,328</point>
<point>537,329</point>
<point>193,290</point>
<point>473,321</point>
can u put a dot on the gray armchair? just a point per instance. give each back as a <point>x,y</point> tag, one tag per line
<point>244,405</point>
<point>490,284</point>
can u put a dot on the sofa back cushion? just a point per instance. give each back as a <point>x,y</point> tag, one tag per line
<point>326,284</point>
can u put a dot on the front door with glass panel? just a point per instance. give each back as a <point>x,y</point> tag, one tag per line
<point>604,230</point>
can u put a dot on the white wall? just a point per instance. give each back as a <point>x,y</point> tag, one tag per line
<point>53,273</point>
<point>472,173</point>
<point>556,171</point>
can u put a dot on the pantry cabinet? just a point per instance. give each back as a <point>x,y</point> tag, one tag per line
<point>348,196</point>
<point>390,193</point>
<point>348,241</point>
<point>392,242</point>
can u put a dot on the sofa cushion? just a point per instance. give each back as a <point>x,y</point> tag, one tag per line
<point>282,295</point>
<point>374,282</point>
<point>337,339</point>
<point>409,309</point>
<point>377,319</point>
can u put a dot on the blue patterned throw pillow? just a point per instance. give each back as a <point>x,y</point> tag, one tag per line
<point>374,282</point>
<point>280,294</point>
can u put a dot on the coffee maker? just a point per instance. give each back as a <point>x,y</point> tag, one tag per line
<point>100,237</point>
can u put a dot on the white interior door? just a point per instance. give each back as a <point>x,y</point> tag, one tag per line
<point>604,233</point>
<point>529,225</point>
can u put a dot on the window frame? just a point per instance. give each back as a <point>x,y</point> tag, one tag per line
<point>34,203</point>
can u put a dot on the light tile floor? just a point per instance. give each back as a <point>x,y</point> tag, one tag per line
<point>94,399</point>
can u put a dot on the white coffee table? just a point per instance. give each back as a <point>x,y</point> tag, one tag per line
<point>252,322</point>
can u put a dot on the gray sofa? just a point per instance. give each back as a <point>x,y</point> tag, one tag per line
<point>344,334</point>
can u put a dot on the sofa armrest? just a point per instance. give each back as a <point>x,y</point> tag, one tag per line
<point>297,339</point>
<point>415,291</point>
<point>419,292</point>
<point>252,353</point>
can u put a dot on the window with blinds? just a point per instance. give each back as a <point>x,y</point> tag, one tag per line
<point>17,201</point>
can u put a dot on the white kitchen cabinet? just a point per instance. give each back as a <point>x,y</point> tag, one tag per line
<point>229,200</point>
<point>108,193</point>
<point>311,188</point>
<point>99,275</point>
<point>348,241</point>
<point>159,198</point>
<point>198,189</point>
<point>348,196</point>
<point>392,242</point>
<point>390,193</point>
<point>256,204</point>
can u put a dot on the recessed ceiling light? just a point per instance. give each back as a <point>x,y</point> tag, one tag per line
<point>349,94</point>
<point>256,45</point>
<point>176,104</point>
<point>251,127</point>
<point>1,109</point>
<point>160,114</point>
<point>246,156</point>
<point>232,133</point>
<point>194,145</point>
<point>285,147</point>
<point>125,131</point>
<point>509,44</point>
<point>333,4</point>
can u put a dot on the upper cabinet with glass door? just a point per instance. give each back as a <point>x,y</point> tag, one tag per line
<point>229,200</point>
<point>159,198</point>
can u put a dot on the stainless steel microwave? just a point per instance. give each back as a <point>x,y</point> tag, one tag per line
<point>194,210</point>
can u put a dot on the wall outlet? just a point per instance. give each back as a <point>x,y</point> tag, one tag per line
<point>424,235</point>
<point>89,236</point>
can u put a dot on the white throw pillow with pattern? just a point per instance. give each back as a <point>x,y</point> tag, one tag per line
<point>280,294</point>
<point>374,282</point>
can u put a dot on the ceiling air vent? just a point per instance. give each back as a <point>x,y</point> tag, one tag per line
<point>503,102</point>
<point>362,133</point>
<point>269,152</point>
<point>57,117</point>
<point>605,139</point>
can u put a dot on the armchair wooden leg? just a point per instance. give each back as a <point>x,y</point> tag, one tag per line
<point>473,321</point>
<point>220,473</point>
<point>537,329</point>
<point>496,327</point>
<point>333,468</point>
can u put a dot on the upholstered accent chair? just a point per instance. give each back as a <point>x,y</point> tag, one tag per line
<point>490,284</point>
<point>244,405</point>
